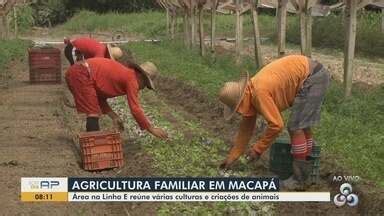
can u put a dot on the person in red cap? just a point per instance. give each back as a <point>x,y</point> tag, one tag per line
<point>93,81</point>
<point>84,48</point>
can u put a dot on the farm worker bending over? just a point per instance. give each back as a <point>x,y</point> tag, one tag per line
<point>85,48</point>
<point>94,80</point>
<point>293,81</point>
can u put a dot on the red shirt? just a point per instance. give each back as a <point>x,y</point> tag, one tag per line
<point>90,47</point>
<point>113,79</point>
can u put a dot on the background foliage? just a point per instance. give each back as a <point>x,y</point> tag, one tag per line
<point>50,12</point>
<point>103,6</point>
<point>328,32</point>
<point>25,18</point>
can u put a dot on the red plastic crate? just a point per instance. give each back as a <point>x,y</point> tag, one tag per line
<point>101,150</point>
<point>44,65</point>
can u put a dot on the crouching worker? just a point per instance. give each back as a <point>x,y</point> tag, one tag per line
<point>94,80</point>
<point>85,48</point>
<point>295,82</point>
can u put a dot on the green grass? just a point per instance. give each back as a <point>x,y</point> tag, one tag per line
<point>151,24</point>
<point>350,129</point>
<point>178,61</point>
<point>328,32</point>
<point>197,155</point>
<point>11,50</point>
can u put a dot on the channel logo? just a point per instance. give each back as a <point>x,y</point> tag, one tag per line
<point>44,189</point>
<point>43,184</point>
<point>346,196</point>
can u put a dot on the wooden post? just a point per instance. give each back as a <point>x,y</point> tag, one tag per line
<point>239,28</point>
<point>302,31</point>
<point>256,34</point>
<point>2,27</point>
<point>186,28</point>
<point>193,24</point>
<point>196,17</point>
<point>308,32</point>
<point>7,32</point>
<point>350,39</point>
<point>168,22</point>
<point>281,26</point>
<point>382,19</point>
<point>15,21</point>
<point>173,23</point>
<point>201,31</point>
<point>213,24</point>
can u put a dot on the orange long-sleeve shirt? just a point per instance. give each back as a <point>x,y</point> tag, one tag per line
<point>271,91</point>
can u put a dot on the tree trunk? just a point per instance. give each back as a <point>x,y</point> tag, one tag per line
<point>256,34</point>
<point>281,26</point>
<point>350,39</point>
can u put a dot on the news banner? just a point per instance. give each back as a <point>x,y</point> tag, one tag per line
<point>158,189</point>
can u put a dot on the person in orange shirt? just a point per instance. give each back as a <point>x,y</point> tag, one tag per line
<point>295,82</point>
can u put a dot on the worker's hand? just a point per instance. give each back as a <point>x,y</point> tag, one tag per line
<point>118,123</point>
<point>158,132</point>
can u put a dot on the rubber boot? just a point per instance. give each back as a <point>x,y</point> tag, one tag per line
<point>307,170</point>
<point>296,181</point>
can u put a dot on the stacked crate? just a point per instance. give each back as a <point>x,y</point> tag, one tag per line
<point>44,65</point>
<point>281,159</point>
<point>101,150</point>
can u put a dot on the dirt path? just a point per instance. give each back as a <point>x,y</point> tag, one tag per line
<point>35,143</point>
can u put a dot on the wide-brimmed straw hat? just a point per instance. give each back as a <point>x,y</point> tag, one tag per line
<point>150,72</point>
<point>114,52</point>
<point>231,94</point>
<point>147,69</point>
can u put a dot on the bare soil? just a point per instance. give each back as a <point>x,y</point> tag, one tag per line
<point>36,140</point>
<point>199,107</point>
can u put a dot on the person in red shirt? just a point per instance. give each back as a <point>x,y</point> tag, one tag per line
<point>94,80</point>
<point>85,48</point>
